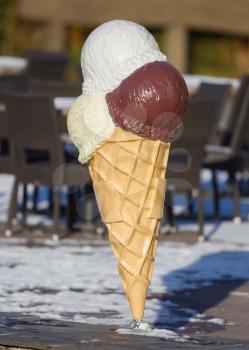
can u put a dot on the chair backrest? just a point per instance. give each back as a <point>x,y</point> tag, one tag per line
<point>36,137</point>
<point>16,82</point>
<point>240,137</point>
<point>219,93</point>
<point>55,88</point>
<point>7,157</point>
<point>238,112</point>
<point>46,65</point>
<point>186,152</point>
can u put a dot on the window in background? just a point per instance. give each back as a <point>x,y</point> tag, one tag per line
<point>218,54</point>
<point>18,35</point>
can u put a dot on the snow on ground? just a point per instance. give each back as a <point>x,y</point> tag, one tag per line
<point>78,281</point>
<point>162,333</point>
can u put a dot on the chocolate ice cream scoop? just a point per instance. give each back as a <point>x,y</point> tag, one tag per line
<point>151,102</point>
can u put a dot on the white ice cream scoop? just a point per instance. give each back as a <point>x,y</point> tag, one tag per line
<point>113,51</point>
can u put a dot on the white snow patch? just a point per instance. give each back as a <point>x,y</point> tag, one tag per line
<point>90,341</point>
<point>240,294</point>
<point>218,321</point>
<point>162,333</point>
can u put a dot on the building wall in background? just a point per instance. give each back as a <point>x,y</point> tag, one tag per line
<point>7,25</point>
<point>200,36</point>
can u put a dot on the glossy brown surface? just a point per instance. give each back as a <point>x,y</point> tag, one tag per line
<point>151,102</point>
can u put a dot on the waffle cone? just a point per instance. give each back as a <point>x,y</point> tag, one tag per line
<point>128,174</point>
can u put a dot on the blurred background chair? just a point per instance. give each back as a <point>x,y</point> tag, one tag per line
<point>39,156</point>
<point>7,156</point>
<point>231,154</point>
<point>6,144</point>
<point>186,157</point>
<point>56,89</point>
<point>10,82</point>
<point>46,65</point>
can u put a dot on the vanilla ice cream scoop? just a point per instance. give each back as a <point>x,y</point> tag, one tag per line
<point>113,51</point>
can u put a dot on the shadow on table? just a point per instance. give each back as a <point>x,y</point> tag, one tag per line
<point>193,289</point>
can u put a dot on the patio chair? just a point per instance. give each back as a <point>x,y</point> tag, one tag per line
<point>55,88</point>
<point>46,65</point>
<point>231,155</point>
<point>39,157</point>
<point>186,155</point>
<point>219,94</point>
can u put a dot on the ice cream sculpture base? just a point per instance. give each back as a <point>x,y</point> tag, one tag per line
<point>127,146</point>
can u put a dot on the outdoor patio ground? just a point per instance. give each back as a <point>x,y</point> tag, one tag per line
<point>67,295</point>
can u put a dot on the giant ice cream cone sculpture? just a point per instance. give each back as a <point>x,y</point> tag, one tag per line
<point>133,101</point>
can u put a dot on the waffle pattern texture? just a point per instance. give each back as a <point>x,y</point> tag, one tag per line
<point>128,174</point>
